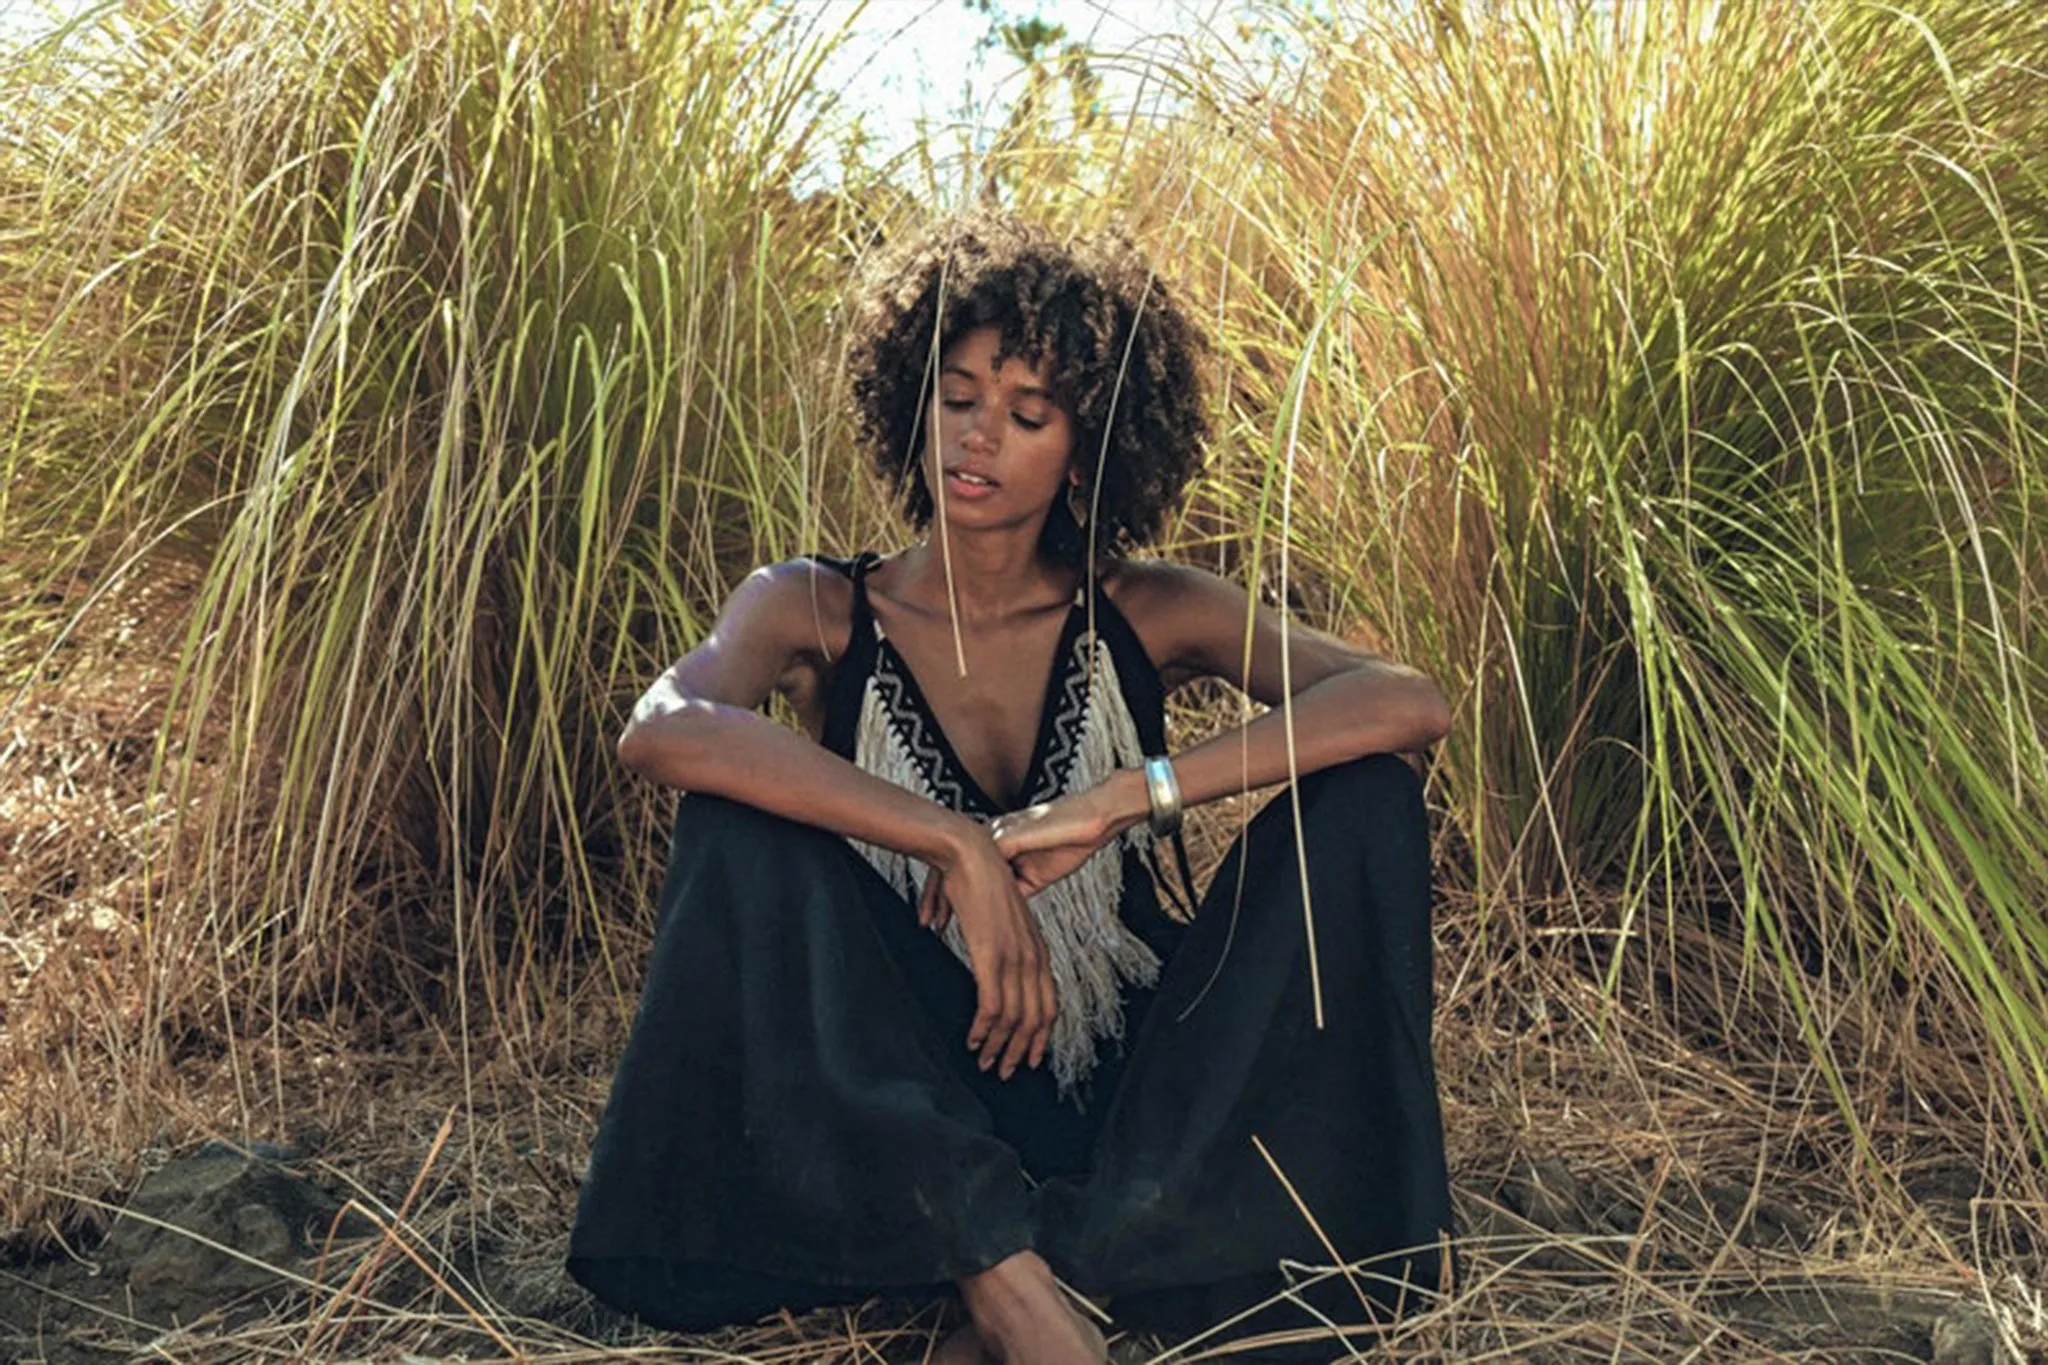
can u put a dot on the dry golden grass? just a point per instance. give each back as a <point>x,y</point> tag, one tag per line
<point>1628,1190</point>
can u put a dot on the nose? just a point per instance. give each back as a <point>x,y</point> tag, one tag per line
<point>980,437</point>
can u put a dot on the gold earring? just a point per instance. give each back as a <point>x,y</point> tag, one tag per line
<point>1077,505</point>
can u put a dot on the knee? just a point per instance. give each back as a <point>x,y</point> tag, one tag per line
<point>1367,816</point>
<point>724,831</point>
<point>737,869</point>
<point>1378,795</point>
<point>704,818</point>
<point>1377,788</point>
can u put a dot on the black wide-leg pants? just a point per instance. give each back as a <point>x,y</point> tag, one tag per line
<point>797,1120</point>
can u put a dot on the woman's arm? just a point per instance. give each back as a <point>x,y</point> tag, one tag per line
<point>697,728</point>
<point>1330,703</point>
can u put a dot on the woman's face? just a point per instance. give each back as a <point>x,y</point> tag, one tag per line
<point>1000,446</point>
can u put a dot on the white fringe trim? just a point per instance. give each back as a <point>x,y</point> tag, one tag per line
<point>1088,946</point>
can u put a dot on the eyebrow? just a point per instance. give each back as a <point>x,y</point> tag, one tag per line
<point>1025,390</point>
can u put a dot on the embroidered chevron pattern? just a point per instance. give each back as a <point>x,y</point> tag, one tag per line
<point>1068,718</point>
<point>907,720</point>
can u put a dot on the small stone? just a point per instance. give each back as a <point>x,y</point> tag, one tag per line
<point>225,1219</point>
<point>1967,1334</point>
<point>1545,1192</point>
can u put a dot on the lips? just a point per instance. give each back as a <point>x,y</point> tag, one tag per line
<point>968,485</point>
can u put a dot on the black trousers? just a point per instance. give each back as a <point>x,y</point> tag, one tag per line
<point>797,1120</point>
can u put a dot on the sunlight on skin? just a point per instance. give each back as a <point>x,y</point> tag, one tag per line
<point>664,697</point>
<point>661,699</point>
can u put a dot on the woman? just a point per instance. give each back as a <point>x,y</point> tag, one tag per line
<point>915,1013</point>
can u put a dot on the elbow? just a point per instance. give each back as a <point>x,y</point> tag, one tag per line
<point>1405,713</point>
<point>662,732</point>
<point>1431,715</point>
<point>633,746</point>
<point>658,747</point>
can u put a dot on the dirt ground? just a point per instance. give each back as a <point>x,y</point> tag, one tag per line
<point>232,1252</point>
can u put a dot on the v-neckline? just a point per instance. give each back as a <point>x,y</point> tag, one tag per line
<point>1048,709</point>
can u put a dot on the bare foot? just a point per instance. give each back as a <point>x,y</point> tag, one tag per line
<point>961,1347</point>
<point>1022,1316</point>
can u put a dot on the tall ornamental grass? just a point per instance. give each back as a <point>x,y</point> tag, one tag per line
<point>461,355</point>
<point>1669,378</point>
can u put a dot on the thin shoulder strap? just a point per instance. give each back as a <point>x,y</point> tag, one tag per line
<point>850,673</point>
<point>863,613</point>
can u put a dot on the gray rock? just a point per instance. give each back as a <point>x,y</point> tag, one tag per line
<point>1545,1192</point>
<point>1967,1334</point>
<point>214,1149</point>
<point>223,1221</point>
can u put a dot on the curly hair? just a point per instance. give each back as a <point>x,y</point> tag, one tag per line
<point>1122,355</point>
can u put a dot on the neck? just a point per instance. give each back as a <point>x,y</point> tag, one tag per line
<point>991,578</point>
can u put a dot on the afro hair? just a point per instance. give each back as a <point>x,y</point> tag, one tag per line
<point>1122,355</point>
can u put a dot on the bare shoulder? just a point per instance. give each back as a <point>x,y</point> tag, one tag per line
<point>1196,624</point>
<point>1150,583</point>
<point>780,630</point>
<point>802,603</point>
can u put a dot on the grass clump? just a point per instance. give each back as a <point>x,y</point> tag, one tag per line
<point>388,393</point>
<point>456,357</point>
<point>1669,380</point>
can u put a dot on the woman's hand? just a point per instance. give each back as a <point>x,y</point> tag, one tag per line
<point>1046,842</point>
<point>1013,1024</point>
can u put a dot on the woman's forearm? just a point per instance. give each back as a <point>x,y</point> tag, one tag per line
<point>1339,719</point>
<point>705,746</point>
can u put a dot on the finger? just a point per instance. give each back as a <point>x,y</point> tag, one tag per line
<point>1005,1026</point>
<point>1036,870</point>
<point>1016,841</point>
<point>1031,1020</point>
<point>1027,1023</point>
<point>988,1004</point>
<point>1051,1004</point>
<point>1010,1000</point>
<point>1013,831</point>
<point>932,900</point>
<point>1048,1009</point>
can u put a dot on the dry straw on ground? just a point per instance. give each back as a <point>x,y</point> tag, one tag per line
<point>1625,1192</point>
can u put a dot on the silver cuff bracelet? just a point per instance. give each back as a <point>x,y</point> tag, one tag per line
<point>1163,791</point>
